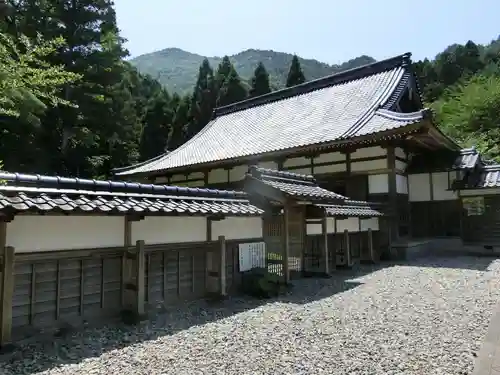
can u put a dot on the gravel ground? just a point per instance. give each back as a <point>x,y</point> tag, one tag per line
<point>425,317</point>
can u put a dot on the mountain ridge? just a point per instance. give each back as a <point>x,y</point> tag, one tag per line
<point>177,69</point>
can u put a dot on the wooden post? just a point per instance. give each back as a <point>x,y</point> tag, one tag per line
<point>222,266</point>
<point>324,231</point>
<point>347,248</point>
<point>370,245</point>
<point>6,291</point>
<point>140,277</point>
<point>393,195</point>
<point>126,273</point>
<point>286,255</point>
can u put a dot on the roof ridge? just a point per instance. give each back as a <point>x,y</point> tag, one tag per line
<point>317,84</point>
<point>370,111</point>
<point>108,185</point>
<point>265,172</point>
<point>393,115</point>
<point>139,164</point>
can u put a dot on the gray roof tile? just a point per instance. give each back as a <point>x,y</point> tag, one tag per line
<point>490,177</point>
<point>34,193</point>
<point>337,107</point>
<point>297,186</point>
<point>352,209</point>
<point>38,200</point>
<point>467,159</point>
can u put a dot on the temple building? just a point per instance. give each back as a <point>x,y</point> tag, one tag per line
<point>363,134</point>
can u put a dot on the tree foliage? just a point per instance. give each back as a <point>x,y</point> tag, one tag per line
<point>62,66</point>
<point>260,82</point>
<point>295,74</point>
<point>27,82</point>
<point>462,85</point>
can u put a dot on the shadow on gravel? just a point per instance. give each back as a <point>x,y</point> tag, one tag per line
<point>44,352</point>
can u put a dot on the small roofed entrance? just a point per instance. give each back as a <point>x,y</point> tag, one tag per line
<point>292,202</point>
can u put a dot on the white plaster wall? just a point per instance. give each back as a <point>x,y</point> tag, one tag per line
<point>295,162</point>
<point>333,168</point>
<point>235,228</point>
<point>161,180</point>
<point>401,184</point>
<point>217,176</point>
<point>368,152</point>
<point>197,183</point>
<point>400,165</point>
<point>178,177</point>
<point>369,165</point>
<point>378,184</point>
<point>400,153</point>
<point>196,176</point>
<point>46,233</point>
<point>370,223</point>
<point>238,173</point>
<point>268,165</point>
<point>158,230</point>
<point>330,224</point>
<point>313,228</point>
<point>440,187</point>
<point>329,157</point>
<point>478,192</point>
<point>419,187</point>
<point>351,224</point>
<point>306,170</point>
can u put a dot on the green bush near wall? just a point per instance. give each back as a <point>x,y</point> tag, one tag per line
<point>260,283</point>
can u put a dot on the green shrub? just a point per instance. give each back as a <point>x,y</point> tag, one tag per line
<point>259,283</point>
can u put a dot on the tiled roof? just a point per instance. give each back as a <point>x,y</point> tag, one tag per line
<point>467,159</point>
<point>490,177</point>
<point>350,208</point>
<point>37,194</point>
<point>336,108</point>
<point>294,185</point>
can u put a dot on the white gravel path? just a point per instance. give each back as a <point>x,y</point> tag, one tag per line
<point>426,317</point>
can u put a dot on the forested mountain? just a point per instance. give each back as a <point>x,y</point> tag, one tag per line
<point>71,104</point>
<point>177,69</point>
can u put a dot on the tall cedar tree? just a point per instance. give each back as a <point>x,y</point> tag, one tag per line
<point>222,73</point>
<point>295,74</point>
<point>232,90</point>
<point>260,82</point>
<point>123,116</point>
<point>178,133</point>
<point>103,131</point>
<point>203,99</point>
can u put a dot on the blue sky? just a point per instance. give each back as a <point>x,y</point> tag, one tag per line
<point>331,31</point>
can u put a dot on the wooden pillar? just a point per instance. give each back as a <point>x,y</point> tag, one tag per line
<point>393,194</point>
<point>286,244</point>
<point>134,288</point>
<point>371,249</point>
<point>347,248</point>
<point>126,273</point>
<point>6,292</point>
<point>140,277</point>
<point>222,266</point>
<point>324,231</point>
